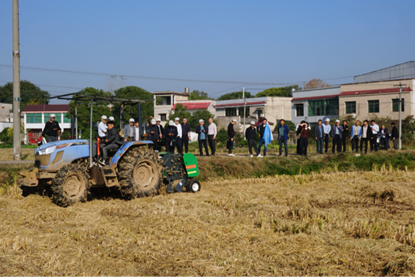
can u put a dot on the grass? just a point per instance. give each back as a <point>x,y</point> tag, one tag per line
<point>23,146</point>
<point>6,154</point>
<point>353,223</point>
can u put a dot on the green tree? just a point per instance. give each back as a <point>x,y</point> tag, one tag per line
<point>200,114</point>
<point>180,111</point>
<point>131,111</point>
<point>29,94</point>
<point>279,92</point>
<point>198,95</point>
<point>235,95</point>
<point>83,109</point>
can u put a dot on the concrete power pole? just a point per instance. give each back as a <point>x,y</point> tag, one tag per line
<point>400,114</point>
<point>17,151</point>
<point>243,96</point>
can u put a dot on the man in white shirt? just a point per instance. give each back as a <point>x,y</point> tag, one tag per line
<point>212,132</point>
<point>102,127</point>
<point>374,128</point>
<point>326,129</point>
<point>179,145</point>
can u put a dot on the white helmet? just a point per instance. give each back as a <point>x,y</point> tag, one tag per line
<point>132,120</point>
<point>201,120</point>
<point>111,118</point>
<point>252,122</point>
<point>102,117</point>
<point>177,119</point>
<point>171,123</point>
<point>153,121</point>
<point>52,115</point>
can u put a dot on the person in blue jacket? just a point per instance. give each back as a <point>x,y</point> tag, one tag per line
<point>202,132</point>
<point>355,135</point>
<point>283,131</point>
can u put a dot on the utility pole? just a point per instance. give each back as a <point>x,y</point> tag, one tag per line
<point>17,150</point>
<point>244,115</point>
<point>400,113</point>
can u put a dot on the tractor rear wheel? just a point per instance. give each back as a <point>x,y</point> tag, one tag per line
<point>139,173</point>
<point>70,185</point>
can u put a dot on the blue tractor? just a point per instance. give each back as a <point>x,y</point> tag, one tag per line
<point>67,170</point>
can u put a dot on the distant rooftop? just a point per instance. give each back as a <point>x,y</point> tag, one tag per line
<point>170,92</point>
<point>46,108</point>
<point>397,72</point>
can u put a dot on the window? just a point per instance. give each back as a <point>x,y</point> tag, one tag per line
<point>163,117</point>
<point>373,106</point>
<point>241,111</point>
<point>34,118</point>
<point>230,112</point>
<point>259,112</point>
<point>57,118</point>
<point>66,118</point>
<point>351,107</point>
<point>299,109</point>
<point>323,107</point>
<point>395,105</point>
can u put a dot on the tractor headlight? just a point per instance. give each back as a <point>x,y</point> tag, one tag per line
<point>47,150</point>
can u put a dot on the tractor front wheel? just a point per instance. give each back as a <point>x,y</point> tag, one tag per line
<point>70,185</point>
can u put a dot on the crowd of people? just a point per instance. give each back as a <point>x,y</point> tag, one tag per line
<point>359,136</point>
<point>176,135</point>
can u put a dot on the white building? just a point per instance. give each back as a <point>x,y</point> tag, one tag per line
<point>164,102</point>
<point>6,116</point>
<point>36,116</point>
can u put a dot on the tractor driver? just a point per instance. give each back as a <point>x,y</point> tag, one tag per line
<point>110,141</point>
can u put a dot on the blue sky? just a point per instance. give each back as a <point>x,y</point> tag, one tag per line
<point>244,41</point>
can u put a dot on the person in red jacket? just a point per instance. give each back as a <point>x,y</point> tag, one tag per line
<point>305,134</point>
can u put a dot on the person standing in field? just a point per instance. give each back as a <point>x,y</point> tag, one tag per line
<point>374,129</point>
<point>250,135</point>
<point>345,135</point>
<point>202,132</point>
<point>265,136</point>
<point>186,135</point>
<point>384,136</point>
<point>231,137</point>
<point>212,132</point>
<point>52,129</point>
<point>336,134</point>
<point>153,134</point>
<point>365,136</point>
<point>327,130</point>
<point>179,136</point>
<point>355,135</point>
<point>319,135</point>
<point>395,136</point>
<point>129,131</point>
<point>170,135</point>
<point>283,131</point>
<point>304,135</point>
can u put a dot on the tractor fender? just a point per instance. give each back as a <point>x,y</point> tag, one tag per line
<point>124,148</point>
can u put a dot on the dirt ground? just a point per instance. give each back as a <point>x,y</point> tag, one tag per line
<point>317,224</point>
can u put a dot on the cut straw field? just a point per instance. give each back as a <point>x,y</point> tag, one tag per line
<point>340,223</point>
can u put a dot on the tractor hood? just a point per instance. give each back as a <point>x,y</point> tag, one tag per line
<point>52,146</point>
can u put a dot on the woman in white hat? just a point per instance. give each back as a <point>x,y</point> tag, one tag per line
<point>201,132</point>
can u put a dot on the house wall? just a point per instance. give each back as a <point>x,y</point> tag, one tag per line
<point>5,111</point>
<point>385,99</point>
<point>311,93</point>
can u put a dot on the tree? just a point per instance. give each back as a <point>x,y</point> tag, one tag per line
<point>131,111</point>
<point>279,92</point>
<point>235,95</point>
<point>198,95</point>
<point>83,109</point>
<point>316,83</point>
<point>180,111</point>
<point>29,94</point>
<point>197,115</point>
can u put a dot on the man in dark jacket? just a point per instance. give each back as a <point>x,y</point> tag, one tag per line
<point>336,135</point>
<point>202,136</point>
<point>384,136</point>
<point>153,134</point>
<point>186,135</point>
<point>231,137</point>
<point>283,131</point>
<point>395,136</point>
<point>110,141</point>
<point>250,135</point>
<point>345,135</point>
<point>160,131</point>
<point>52,129</point>
<point>170,136</point>
<point>319,136</point>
